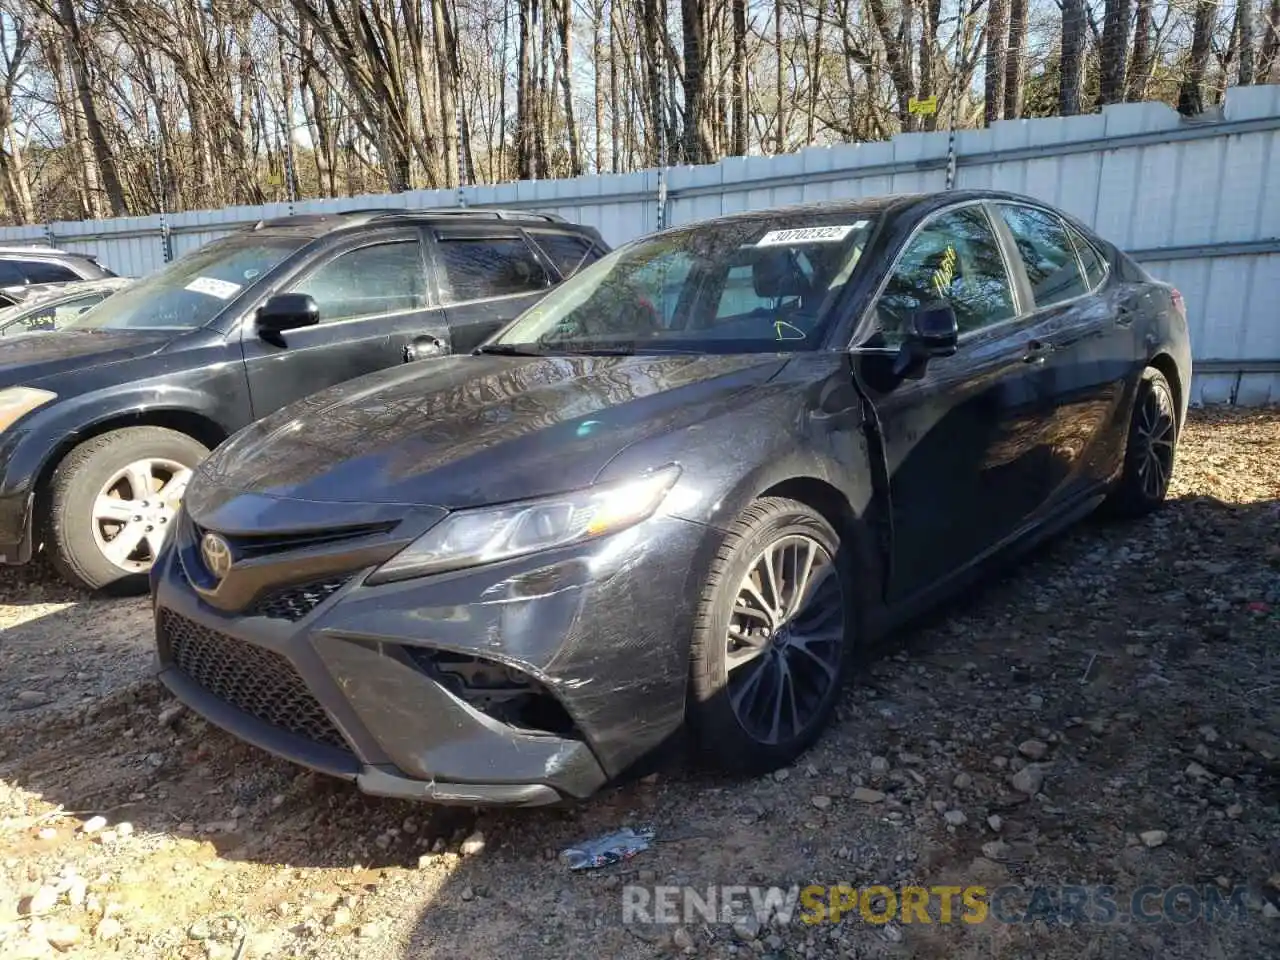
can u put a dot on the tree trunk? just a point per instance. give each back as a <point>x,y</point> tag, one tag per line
<point>598,80</point>
<point>1269,69</point>
<point>1114,51</point>
<point>571,127</point>
<point>931,11</point>
<point>442,48</point>
<point>997,65</point>
<point>897,57</point>
<point>738,144</point>
<point>781,144</point>
<point>650,27</point>
<point>524,94</point>
<point>697,148</point>
<point>615,133</point>
<point>1143,59</point>
<point>1244,24</point>
<point>77,51</point>
<point>1071,81</point>
<point>1191,92</point>
<point>1015,65</point>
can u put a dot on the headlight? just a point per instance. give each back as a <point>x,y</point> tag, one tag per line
<point>17,402</point>
<point>469,538</point>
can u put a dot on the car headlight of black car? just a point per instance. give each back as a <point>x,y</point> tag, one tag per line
<point>17,402</point>
<point>469,538</point>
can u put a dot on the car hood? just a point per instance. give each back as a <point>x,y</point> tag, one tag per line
<point>470,430</point>
<point>28,357</point>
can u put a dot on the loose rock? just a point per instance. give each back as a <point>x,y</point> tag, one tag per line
<point>1028,780</point>
<point>1153,838</point>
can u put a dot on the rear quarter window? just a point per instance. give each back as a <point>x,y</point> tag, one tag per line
<point>1095,265</point>
<point>568,252</point>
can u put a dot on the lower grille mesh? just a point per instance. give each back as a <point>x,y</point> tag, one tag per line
<point>260,682</point>
<point>294,603</point>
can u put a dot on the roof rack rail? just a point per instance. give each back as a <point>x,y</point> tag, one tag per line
<point>476,213</point>
<point>20,247</point>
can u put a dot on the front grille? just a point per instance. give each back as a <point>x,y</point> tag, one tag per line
<point>294,603</point>
<point>260,682</point>
<point>261,545</point>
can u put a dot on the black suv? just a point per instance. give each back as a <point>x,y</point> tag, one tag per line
<point>21,267</point>
<point>102,420</point>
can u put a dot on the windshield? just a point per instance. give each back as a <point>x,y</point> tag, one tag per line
<point>762,284</point>
<point>191,291</point>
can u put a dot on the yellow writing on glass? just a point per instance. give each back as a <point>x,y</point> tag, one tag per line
<point>945,273</point>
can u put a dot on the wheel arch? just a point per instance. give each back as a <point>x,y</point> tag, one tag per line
<point>192,423</point>
<point>1165,363</point>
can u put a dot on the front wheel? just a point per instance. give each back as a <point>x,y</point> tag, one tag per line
<point>1149,451</point>
<point>771,640</point>
<point>112,501</point>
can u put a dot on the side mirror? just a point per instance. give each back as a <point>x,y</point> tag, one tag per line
<point>933,332</point>
<point>287,311</point>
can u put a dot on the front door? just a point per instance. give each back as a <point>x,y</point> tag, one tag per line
<point>375,312</point>
<point>965,469</point>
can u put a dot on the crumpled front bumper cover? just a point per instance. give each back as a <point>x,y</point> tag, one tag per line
<point>596,628</point>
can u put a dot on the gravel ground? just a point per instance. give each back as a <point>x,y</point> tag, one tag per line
<point>1128,671</point>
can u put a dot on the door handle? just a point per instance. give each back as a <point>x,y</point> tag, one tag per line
<point>1037,352</point>
<point>1125,315</point>
<point>422,347</point>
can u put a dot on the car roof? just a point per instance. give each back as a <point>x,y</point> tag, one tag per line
<point>43,253</point>
<point>319,224</point>
<point>861,207</point>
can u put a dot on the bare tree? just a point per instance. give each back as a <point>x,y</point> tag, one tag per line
<point>1071,65</point>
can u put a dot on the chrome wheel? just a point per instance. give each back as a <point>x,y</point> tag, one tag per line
<point>1157,434</point>
<point>134,509</point>
<point>785,639</point>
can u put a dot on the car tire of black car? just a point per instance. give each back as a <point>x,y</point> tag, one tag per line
<point>726,728</point>
<point>1149,450</point>
<point>74,492</point>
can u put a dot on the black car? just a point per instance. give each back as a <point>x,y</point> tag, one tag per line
<point>681,488</point>
<point>49,306</point>
<point>102,420</point>
<point>22,267</point>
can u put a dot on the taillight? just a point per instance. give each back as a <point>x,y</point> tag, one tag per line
<point>1177,302</point>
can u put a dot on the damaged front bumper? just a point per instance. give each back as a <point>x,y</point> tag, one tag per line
<point>520,683</point>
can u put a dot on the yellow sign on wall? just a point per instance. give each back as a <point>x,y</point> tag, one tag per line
<point>922,107</point>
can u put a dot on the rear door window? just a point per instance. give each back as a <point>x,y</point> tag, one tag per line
<point>1047,254</point>
<point>42,271</point>
<point>476,267</point>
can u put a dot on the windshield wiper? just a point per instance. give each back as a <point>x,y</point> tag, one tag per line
<point>509,350</point>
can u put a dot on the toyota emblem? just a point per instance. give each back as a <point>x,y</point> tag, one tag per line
<point>216,554</point>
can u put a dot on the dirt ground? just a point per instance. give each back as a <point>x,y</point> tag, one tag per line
<point>1133,668</point>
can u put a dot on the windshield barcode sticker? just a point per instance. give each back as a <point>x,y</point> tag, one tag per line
<point>832,234</point>
<point>222,289</point>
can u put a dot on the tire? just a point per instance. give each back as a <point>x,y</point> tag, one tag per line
<point>740,739</point>
<point>1149,450</point>
<point>100,466</point>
